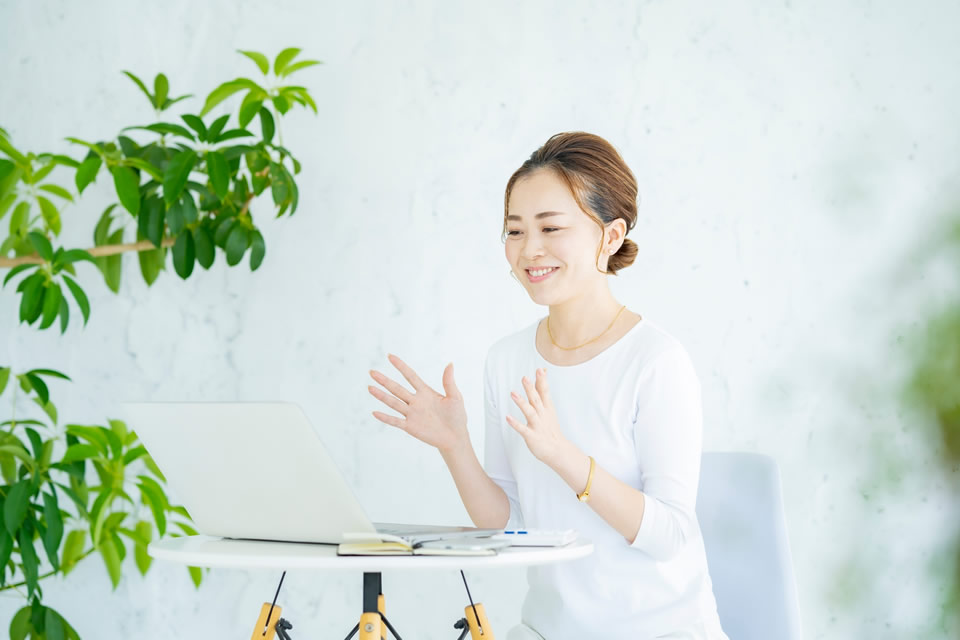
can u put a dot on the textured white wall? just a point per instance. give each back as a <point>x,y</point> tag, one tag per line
<point>789,155</point>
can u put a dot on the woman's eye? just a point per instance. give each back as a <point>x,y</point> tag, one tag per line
<point>510,233</point>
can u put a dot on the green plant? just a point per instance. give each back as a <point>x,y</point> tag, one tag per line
<point>187,188</point>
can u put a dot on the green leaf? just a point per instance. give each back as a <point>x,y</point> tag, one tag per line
<point>15,506</point>
<point>133,454</point>
<point>279,185</point>
<point>222,231</point>
<point>218,95</point>
<point>111,265</point>
<point>257,250</point>
<point>216,127</point>
<point>175,177</point>
<point>248,108</point>
<point>161,86</point>
<point>281,103</point>
<point>142,558</point>
<point>76,255</point>
<point>41,244</point>
<point>64,314</point>
<point>111,559</point>
<point>80,297</point>
<point>165,128</point>
<point>196,575</point>
<point>31,304</point>
<point>20,268</point>
<point>266,124</point>
<point>233,133</point>
<point>72,550</point>
<point>143,165</point>
<point>6,549</point>
<point>219,173</point>
<point>189,208</point>
<point>80,452</point>
<point>154,499</point>
<point>20,624</point>
<point>175,218</point>
<point>53,626</point>
<point>152,262</point>
<point>196,124</point>
<point>237,243</point>
<point>50,214</point>
<point>39,386</point>
<point>28,555</point>
<point>303,64</point>
<point>51,305</point>
<point>6,202</point>
<point>203,246</point>
<point>184,255</point>
<point>19,219</point>
<point>127,185</point>
<point>57,190</point>
<point>151,221</point>
<point>51,539</point>
<point>283,59</point>
<point>259,58</point>
<point>92,434</point>
<point>93,147</point>
<point>8,149</point>
<point>141,85</point>
<point>50,372</point>
<point>4,378</point>
<point>175,100</point>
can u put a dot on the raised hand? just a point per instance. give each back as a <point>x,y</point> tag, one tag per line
<point>436,419</point>
<point>542,432</point>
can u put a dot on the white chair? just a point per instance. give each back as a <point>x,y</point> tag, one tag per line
<point>740,510</point>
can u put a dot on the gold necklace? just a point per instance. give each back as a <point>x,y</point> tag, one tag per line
<point>587,342</point>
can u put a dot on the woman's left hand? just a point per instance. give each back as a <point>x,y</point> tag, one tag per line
<point>542,431</point>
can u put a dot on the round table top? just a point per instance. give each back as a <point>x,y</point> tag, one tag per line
<point>211,551</point>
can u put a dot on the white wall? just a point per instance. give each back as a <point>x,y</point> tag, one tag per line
<point>789,156</point>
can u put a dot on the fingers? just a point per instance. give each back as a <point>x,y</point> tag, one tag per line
<point>407,372</point>
<point>532,393</point>
<point>542,387</point>
<point>396,389</point>
<point>525,406</point>
<point>391,420</point>
<point>390,401</point>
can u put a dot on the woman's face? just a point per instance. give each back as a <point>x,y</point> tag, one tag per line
<point>564,237</point>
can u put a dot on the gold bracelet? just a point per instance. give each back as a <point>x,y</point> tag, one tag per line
<point>583,497</point>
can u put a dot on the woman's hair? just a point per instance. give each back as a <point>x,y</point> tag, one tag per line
<point>599,180</point>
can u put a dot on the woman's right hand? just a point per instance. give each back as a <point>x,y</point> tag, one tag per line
<point>439,420</point>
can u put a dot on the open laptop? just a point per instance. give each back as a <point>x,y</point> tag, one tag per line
<point>258,470</point>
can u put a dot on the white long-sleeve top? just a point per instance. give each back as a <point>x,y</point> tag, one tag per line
<point>636,408</point>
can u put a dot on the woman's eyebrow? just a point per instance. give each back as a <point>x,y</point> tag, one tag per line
<point>542,214</point>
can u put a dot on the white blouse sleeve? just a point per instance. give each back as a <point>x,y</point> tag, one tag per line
<point>668,435</point>
<point>495,461</point>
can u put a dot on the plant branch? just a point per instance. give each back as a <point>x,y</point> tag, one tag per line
<point>108,249</point>
<point>48,574</point>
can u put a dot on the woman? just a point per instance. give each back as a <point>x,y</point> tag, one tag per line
<point>610,445</point>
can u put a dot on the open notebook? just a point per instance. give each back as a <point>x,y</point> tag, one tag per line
<point>467,543</point>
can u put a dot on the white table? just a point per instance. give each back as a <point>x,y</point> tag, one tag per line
<point>208,551</point>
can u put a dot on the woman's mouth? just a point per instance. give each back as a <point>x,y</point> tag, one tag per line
<point>542,274</point>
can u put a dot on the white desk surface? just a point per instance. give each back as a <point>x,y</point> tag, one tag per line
<point>209,551</point>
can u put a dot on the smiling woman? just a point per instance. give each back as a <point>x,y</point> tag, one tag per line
<point>620,387</point>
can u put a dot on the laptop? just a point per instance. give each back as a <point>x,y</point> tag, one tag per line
<point>259,471</point>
